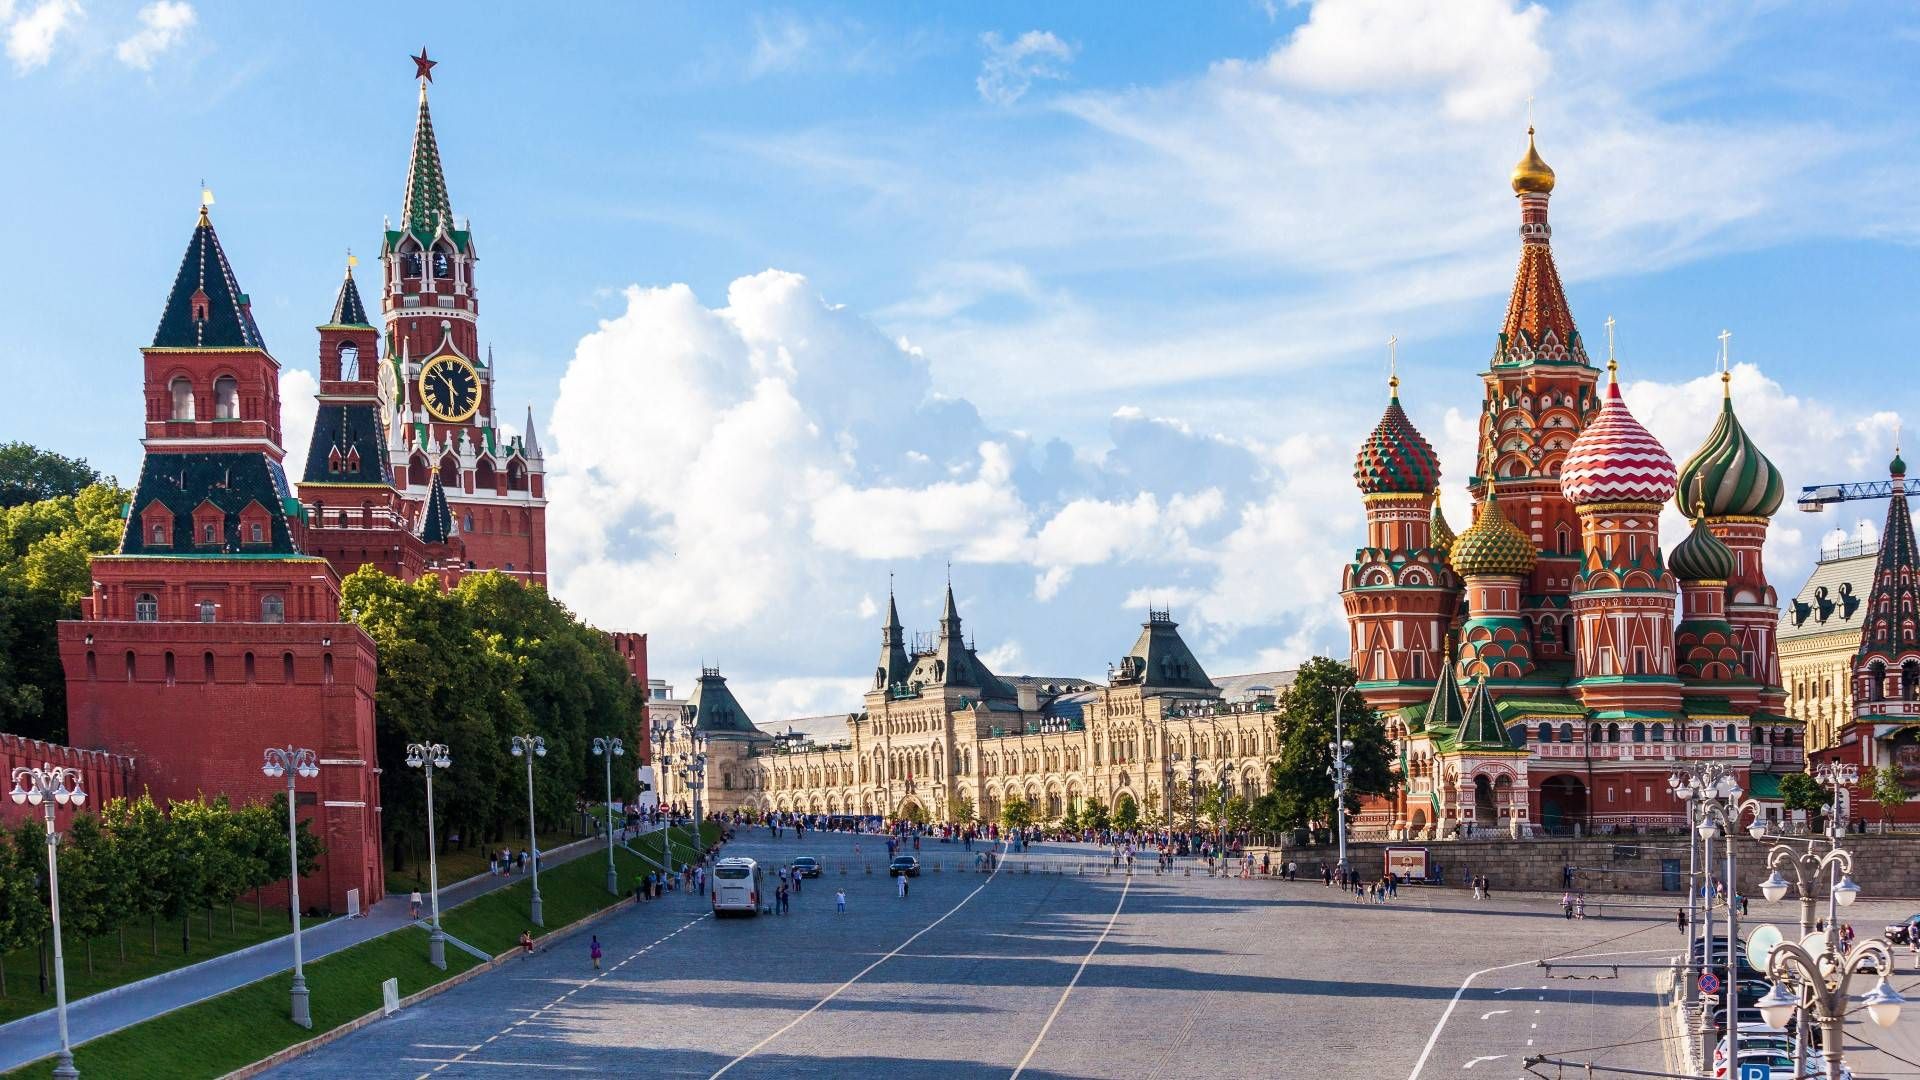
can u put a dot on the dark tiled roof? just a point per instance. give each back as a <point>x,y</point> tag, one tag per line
<point>204,271</point>
<point>427,208</point>
<point>347,308</point>
<point>716,711</point>
<point>436,521</point>
<point>353,429</point>
<point>1160,659</point>
<point>181,482</point>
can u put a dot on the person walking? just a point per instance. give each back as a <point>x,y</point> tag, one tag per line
<point>840,901</point>
<point>413,905</point>
<point>1566,904</point>
<point>593,950</point>
<point>903,886</point>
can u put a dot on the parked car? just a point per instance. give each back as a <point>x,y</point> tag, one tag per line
<point>807,866</point>
<point>904,864</point>
<point>1902,933</point>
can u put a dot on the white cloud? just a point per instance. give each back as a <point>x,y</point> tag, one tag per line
<point>162,25</point>
<point>1011,67</point>
<point>297,410</point>
<point>32,36</point>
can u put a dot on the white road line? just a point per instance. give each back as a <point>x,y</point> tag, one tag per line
<point>898,949</point>
<point>1494,1013</point>
<point>1071,983</point>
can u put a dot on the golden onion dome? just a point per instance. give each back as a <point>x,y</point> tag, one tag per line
<point>1493,545</point>
<point>1532,173</point>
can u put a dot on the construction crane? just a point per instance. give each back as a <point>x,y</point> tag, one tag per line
<point>1817,497</point>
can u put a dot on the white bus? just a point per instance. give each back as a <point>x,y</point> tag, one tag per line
<point>736,886</point>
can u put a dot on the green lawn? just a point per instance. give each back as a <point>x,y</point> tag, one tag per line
<point>233,928</point>
<point>221,1034</point>
<point>461,865</point>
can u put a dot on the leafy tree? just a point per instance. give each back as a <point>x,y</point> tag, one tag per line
<point>1888,792</point>
<point>44,551</point>
<point>91,887</point>
<point>1237,813</point>
<point>1094,815</point>
<point>959,808</point>
<point>1800,791</point>
<point>1154,809</point>
<point>1301,792</point>
<point>143,841</point>
<point>23,913</point>
<point>1070,821</point>
<point>30,474</point>
<point>1015,813</point>
<point>913,813</point>
<point>1126,815</point>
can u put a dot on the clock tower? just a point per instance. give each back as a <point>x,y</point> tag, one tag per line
<point>439,382</point>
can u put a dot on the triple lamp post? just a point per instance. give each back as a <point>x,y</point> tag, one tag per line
<point>52,786</point>
<point>608,749</point>
<point>530,747</point>
<point>431,756</point>
<point>294,764</point>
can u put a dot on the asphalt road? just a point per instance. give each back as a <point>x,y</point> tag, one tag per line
<point>1035,973</point>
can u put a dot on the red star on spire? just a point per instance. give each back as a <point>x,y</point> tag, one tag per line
<point>423,67</point>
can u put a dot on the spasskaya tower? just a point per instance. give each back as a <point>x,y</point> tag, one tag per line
<point>437,383</point>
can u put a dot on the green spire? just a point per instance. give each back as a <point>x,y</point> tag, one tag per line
<point>427,207</point>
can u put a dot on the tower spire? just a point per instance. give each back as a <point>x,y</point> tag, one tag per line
<point>426,207</point>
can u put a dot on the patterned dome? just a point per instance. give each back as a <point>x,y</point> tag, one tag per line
<point>1615,460</point>
<point>1396,459</point>
<point>1439,532</point>
<point>1492,544</point>
<point>1701,556</point>
<point>1730,474</point>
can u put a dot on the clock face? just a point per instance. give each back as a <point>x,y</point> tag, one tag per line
<point>450,388</point>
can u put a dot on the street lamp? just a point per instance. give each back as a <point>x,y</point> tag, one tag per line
<point>609,749</point>
<point>1715,808</point>
<point>52,786</point>
<point>1825,982</point>
<point>663,733</point>
<point>520,745</point>
<point>431,756</point>
<point>294,764</point>
<point>1341,746</point>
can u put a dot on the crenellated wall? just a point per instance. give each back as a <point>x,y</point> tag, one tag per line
<point>103,776</point>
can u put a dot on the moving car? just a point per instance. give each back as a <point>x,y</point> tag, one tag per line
<point>807,866</point>
<point>1901,933</point>
<point>736,886</point>
<point>904,864</point>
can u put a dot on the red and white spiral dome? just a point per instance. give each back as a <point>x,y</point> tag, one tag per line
<point>1616,460</point>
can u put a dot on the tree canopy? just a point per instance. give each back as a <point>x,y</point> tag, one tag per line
<point>45,548</point>
<point>1301,792</point>
<point>30,474</point>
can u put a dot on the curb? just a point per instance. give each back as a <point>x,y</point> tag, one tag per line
<point>542,945</point>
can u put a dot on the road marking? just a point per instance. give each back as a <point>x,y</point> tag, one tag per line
<point>444,1062</point>
<point>838,990</point>
<point>1481,1058</point>
<point>1494,1013</point>
<point>1071,983</point>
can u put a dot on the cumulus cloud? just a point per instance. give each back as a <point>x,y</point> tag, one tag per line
<point>162,25</point>
<point>1010,67</point>
<point>31,37</point>
<point>297,410</point>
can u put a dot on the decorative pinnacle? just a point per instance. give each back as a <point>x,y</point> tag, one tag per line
<point>1726,376</point>
<point>206,200</point>
<point>1613,365</point>
<point>423,68</point>
<point>1393,364</point>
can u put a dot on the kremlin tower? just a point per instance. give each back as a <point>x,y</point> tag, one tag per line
<point>1596,665</point>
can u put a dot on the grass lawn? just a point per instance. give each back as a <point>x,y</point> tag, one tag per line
<point>216,1036</point>
<point>221,1034</point>
<point>461,865</point>
<point>23,995</point>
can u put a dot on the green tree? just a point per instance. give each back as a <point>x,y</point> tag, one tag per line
<point>45,548</point>
<point>913,813</point>
<point>1301,792</point>
<point>23,913</point>
<point>30,474</point>
<point>1888,792</point>
<point>1800,791</point>
<point>91,886</point>
<point>1237,813</point>
<point>1095,816</point>
<point>1015,813</point>
<point>1126,814</point>
<point>1070,820</point>
<point>959,809</point>
<point>142,841</point>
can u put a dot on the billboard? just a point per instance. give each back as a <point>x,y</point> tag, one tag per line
<point>1410,863</point>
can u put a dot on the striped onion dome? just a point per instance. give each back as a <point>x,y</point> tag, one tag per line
<point>1492,544</point>
<point>1615,460</point>
<point>1396,459</point>
<point>1730,474</point>
<point>1439,532</point>
<point>1701,556</point>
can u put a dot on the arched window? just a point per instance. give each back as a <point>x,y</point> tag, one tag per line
<point>146,608</point>
<point>159,535</point>
<point>93,666</point>
<point>417,474</point>
<point>247,667</point>
<point>1659,732</point>
<point>326,668</point>
<point>1613,733</point>
<point>1706,733</point>
<point>226,398</point>
<point>168,667</point>
<point>449,472</point>
<point>206,667</point>
<point>410,264</point>
<point>181,393</point>
<point>1593,733</point>
<point>130,666</point>
<point>349,361</point>
<point>1639,732</point>
<point>442,264</point>
<point>1566,732</point>
<point>286,667</point>
<point>273,608</point>
<point>466,522</point>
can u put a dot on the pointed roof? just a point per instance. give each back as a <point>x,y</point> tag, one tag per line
<point>426,208</point>
<point>532,440</point>
<point>1890,631</point>
<point>1160,659</point>
<point>1440,534</point>
<point>1482,732</point>
<point>436,522</point>
<point>348,445</point>
<point>950,615</point>
<point>894,665</point>
<point>230,483</point>
<point>952,662</point>
<point>715,711</point>
<point>1539,324</point>
<point>1446,709</point>
<point>347,308</point>
<point>206,309</point>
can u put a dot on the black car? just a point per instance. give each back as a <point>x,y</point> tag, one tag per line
<point>904,864</point>
<point>807,866</point>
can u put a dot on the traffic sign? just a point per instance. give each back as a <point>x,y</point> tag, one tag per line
<point>1709,983</point>
<point>1755,1070</point>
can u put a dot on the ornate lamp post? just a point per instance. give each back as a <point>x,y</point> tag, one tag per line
<point>1680,783</point>
<point>530,747</point>
<point>663,734</point>
<point>53,786</point>
<point>1807,867</point>
<point>1825,982</point>
<point>1341,746</point>
<point>431,756</point>
<point>1715,798</point>
<point>608,749</point>
<point>294,764</point>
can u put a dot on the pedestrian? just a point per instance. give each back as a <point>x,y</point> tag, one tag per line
<point>413,904</point>
<point>1680,919</point>
<point>1566,904</point>
<point>493,863</point>
<point>903,886</point>
<point>526,942</point>
<point>593,950</point>
<point>1742,897</point>
<point>1580,906</point>
<point>840,901</point>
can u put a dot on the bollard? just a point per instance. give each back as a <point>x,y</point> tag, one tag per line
<point>1026,869</point>
<point>869,868</point>
<point>1189,871</point>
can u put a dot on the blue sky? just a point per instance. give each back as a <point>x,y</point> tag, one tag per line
<point>1089,299</point>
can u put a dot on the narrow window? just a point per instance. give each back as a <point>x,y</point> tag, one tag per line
<point>93,666</point>
<point>226,398</point>
<point>207,535</point>
<point>286,667</point>
<point>259,533</point>
<point>169,670</point>
<point>159,535</point>
<point>326,668</point>
<point>247,667</point>
<point>129,665</point>
<point>181,393</point>
<point>206,665</point>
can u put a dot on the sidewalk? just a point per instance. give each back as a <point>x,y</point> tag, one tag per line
<point>34,1037</point>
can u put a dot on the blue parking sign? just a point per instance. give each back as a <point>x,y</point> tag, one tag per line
<point>1755,1070</point>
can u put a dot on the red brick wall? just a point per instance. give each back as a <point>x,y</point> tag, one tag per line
<point>103,776</point>
<point>633,649</point>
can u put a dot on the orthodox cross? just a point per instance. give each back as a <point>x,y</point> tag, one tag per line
<point>1393,362</point>
<point>1725,336</point>
<point>1612,364</point>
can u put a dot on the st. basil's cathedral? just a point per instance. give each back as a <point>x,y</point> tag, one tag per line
<point>1548,668</point>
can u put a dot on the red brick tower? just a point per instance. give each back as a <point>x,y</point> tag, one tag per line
<point>444,421</point>
<point>212,634</point>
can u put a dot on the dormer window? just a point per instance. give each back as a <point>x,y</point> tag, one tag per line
<point>209,533</point>
<point>256,533</point>
<point>226,398</point>
<point>159,536</point>
<point>200,305</point>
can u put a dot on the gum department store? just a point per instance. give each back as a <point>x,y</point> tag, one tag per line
<point>1543,670</point>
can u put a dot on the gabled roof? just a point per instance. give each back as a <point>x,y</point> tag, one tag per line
<point>715,711</point>
<point>436,521</point>
<point>354,426</point>
<point>1160,659</point>
<point>347,308</point>
<point>229,482</point>
<point>206,286</point>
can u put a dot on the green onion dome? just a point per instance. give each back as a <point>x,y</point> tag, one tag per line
<point>1897,467</point>
<point>1439,532</point>
<point>1701,556</point>
<point>1492,545</point>
<point>1729,473</point>
<point>1396,459</point>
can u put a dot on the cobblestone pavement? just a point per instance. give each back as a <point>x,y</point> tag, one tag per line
<point>1039,974</point>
